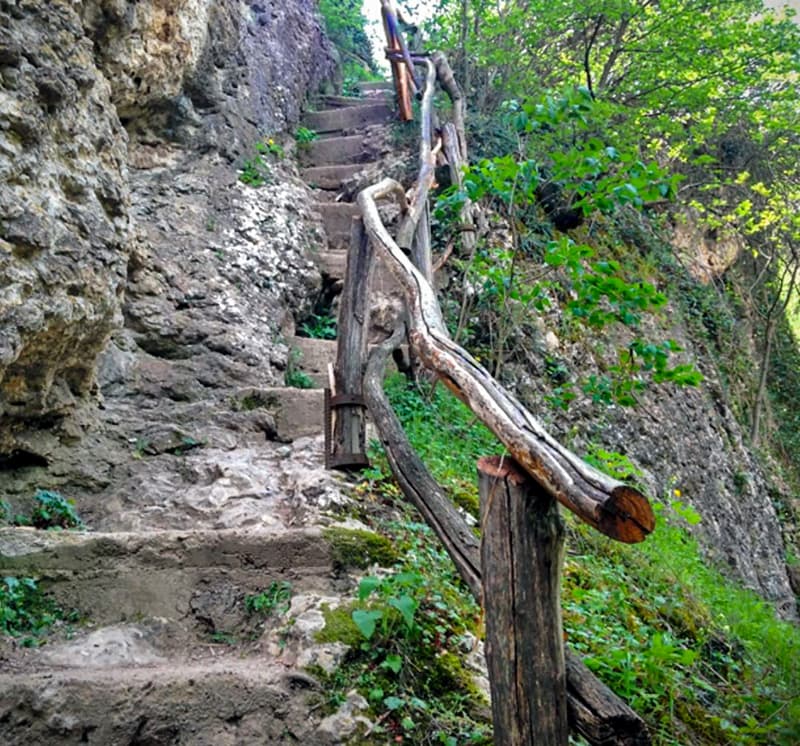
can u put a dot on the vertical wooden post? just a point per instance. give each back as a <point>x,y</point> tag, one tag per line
<point>421,248</point>
<point>348,442</point>
<point>522,548</point>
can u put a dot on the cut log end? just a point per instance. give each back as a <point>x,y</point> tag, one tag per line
<point>627,515</point>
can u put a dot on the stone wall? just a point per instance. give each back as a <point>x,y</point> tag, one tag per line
<point>122,125</point>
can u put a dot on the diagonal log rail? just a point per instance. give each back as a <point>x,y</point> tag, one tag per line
<point>593,710</point>
<point>610,506</point>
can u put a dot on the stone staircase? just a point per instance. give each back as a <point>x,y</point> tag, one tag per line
<point>344,148</point>
<point>162,578</point>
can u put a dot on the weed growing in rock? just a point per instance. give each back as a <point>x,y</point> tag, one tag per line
<point>274,600</point>
<point>54,511</point>
<point>255,171</point>
<point>25,611</point>
<point>319,327</point>
<point>294,377</point>
<point>303,135</point>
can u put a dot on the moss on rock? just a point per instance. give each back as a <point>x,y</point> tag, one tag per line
<point>359,548</point>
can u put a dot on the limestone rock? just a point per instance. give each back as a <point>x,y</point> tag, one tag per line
<point>64,214</point>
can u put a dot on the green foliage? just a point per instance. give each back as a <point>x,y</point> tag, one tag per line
<point>24,611</point>
<point>319,327</point>
<point>256,171</point>
<point>405,629</point>
<point>428,412</point>
<point>304,136</point>
<point>295,377</point>
<point>346,27</point>
<point>53,510</point>
<point>276,599</point>
<point>703,661</point>
<point>563,168</point>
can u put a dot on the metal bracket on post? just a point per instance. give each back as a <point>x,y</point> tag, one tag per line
<point>341,460</point>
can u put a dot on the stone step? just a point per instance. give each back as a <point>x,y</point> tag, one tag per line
<point>336,151</point>
<point>341,102</point>
<point>332,264</point>
<point>314,355</point>
<point>330,177</point>
<point>373,86</point>
<point>338,218</point>
<point>113,577</point>
<point>298,413</point>
<point>350,118</point>
<point>186,703</point>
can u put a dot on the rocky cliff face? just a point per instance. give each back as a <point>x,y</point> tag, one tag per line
<point>122,125</point>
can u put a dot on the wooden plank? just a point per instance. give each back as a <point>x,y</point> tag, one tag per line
<point>522,540</point>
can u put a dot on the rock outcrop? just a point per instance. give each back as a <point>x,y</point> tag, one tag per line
<point>64,215</point>
<point>123,128</point>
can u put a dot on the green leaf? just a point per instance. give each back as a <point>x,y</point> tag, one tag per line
<point>393,662</point>
<point>366,620</point>
<point>407,607</point>
<point>393,703</point>
<point>367,585</point>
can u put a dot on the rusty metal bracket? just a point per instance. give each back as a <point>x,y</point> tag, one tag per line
<point>347,400</point>
<point>341,460</point>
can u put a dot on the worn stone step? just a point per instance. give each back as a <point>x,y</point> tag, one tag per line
<point>338,219</point>
<point>336,151</point>
<point>349,118</point>
<point>184,703</point>
<point>374,86</point>
<point>341,102</point>
<point>298,413</point>
<point>118,576</point>
<point>332,264</point>
<point>313,356</point>
<point>330,177</point>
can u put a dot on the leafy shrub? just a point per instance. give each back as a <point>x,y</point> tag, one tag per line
<point>274,600</point>
<point>24,610</point>
<point>54,511</point>
<point>319,327</point>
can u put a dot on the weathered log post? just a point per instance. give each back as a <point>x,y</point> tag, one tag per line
<point>522,548</point>
<point>346,412</point>
<point>595,712</point>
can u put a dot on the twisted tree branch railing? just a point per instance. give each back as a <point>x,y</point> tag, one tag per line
<point>610,506</point>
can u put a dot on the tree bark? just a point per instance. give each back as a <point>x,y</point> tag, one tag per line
<point>522,541</point>
<point>348,444</point>
<point>610,506</point>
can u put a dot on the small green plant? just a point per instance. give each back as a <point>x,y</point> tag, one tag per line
<point>255,172</point>
<point>24,610</point>
<point>295,378</point>
<point>270,147</point>
<point>303,135</point>
<point>274,600</point>
<point>405,630</point>
<point>319,327</point>
<point>54,511</point>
